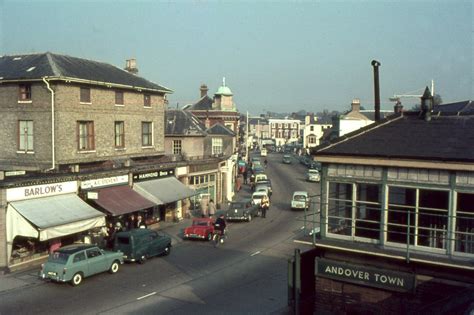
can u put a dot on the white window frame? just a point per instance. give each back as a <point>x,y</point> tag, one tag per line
<point>25,136</point>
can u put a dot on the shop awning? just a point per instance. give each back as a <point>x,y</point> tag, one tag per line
<point>120,200</point>
<point>164,190</point>
<point>50,217</point>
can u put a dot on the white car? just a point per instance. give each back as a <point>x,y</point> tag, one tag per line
<point>257,197</point>
<point>313,175</point>
<point>300,200</point>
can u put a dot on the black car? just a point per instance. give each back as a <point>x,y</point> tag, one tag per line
<point>242,210</point>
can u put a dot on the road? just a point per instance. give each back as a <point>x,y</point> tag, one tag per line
<point>248,274</point>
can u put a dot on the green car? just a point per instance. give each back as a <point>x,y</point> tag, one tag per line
<point>140,244</point>
<point>286,159</point>
<point>241,211</point>
<point>74,262</point>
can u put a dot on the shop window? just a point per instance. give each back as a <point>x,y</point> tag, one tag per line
<point>119,134</point>
<point>85,135</point>
<point>147,134</point>
<point>464,232</point>
<point>25,136</point>
<point>212,178</point>
<point>176,146</point>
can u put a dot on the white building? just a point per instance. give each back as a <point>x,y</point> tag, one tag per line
<point>284,131</point>
<point>313,131</point>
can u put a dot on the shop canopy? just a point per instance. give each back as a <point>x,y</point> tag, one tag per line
<point>164,190</point>
<point>120,200</point>
<point>50,217</point>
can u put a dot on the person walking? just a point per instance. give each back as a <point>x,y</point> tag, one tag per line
<point>131,222</point>
<point>204,204</point>
<point>140,224</point>
<point>265,204</point>
<point>212,208</point>
<point>245,176</point>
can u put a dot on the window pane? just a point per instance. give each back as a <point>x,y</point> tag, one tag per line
<point>24,92</point>
<point>85,95</point>
<point>368,211</point>
<point>25,135</point>
<point>119,134</point>
<point>433,218</point>
<point>340,208</point>
<point>118,97</point>
<point>401,215</point>
<point>147,134</point>
<point>465,223</point>
<point>86,135</point>
<point>146,100</point>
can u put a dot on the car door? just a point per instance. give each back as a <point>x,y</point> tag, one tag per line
<point>96,260</point>
<point>161,242</point>
<point>79,264</point>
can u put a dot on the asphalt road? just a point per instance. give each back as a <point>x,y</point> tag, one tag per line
<point>248,274</point>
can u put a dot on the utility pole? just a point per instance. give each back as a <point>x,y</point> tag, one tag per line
<point>247,139</point>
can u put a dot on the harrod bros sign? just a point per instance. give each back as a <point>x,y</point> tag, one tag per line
<point>368,276</point>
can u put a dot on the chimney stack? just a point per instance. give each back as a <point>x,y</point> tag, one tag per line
<point>398,108</point>
<point>131,66</point>
<point>203,90</point>
<point>376,66</point>
<point>426,104</point>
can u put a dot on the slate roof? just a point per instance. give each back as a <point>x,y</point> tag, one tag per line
<point>407,136</point>
<point>205,103</point>
<point>61,67</point>
<point>182,123</point>
<point>219,129</point>
<point>464,107</point>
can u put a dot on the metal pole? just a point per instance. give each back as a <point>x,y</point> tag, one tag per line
<point>247,139</point>
<point>408,238</point>
<point>297,281</point>
<point>376,65</point>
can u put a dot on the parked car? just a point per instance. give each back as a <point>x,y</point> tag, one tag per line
<point>202,228</point>
<point>141,244</point>
<point>263,152</point>
<point>315,165</point>
<point>257,197</point>
<point>74,262</point>
<point>264,188</point>
<point>300,200</point>
<point>286,159</point>
<point>242,210</point>
<point>267,183</point>
<point>313,175</point>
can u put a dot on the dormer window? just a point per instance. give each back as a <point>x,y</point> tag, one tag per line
<point>24,93</point>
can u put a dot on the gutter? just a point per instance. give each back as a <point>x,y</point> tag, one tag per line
<point>53,156</point>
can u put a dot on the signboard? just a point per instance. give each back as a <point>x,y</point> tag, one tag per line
<point>102,182</point>
<point>14,173</point>
<point>183,170</point>
<point>38,191</point>
<point>137,177</point>
<point>367,276</point>
<point>93,195</point>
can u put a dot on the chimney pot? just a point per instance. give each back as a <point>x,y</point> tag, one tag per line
<point>131,65</point>
<point>355,105</point>
<point>203,90</point>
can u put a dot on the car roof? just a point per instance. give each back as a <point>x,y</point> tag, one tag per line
<point>313,170</point>
<point>241,201</point>
<point>74,248</point>
<point>135,232</point>
<point>300,193</point>
<point>259,193</point>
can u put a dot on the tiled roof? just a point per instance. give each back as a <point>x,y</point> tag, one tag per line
<point>218,129</point>
<point>205,103</point>
<point>182,123</point>
<point>464,107</point>
<point>443,138</point>
<point>37,66</point>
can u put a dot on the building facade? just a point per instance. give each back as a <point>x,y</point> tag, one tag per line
<point>313,131</point>
<point>284,131</point>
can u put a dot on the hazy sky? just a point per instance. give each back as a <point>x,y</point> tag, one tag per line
<point>278,56</point>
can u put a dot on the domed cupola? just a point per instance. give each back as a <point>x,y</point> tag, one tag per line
<point>224,90</point>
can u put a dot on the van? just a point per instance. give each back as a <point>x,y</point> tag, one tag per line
<point>300,200</point>
<point>141,244</point>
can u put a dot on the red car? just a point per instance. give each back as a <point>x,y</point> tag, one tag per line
<point>202,228</point>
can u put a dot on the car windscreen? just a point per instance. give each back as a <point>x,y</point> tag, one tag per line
<point>200,223</point>
<point>313,171</point>
<point>299,198</point>
<point>236,206</point>
<point>59,257</point>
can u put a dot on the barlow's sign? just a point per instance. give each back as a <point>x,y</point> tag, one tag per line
<point>368,276</point>
<point>152,175</point>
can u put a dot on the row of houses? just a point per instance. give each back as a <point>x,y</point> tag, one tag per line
<point>85,142</point>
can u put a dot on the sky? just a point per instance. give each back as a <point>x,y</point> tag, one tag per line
<point>279,56</point>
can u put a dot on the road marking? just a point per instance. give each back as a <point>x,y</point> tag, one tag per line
<point>256,253</point>
<point>145,296</point>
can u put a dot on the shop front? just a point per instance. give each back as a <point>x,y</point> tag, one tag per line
<point>164,189</point>
<point>205,187</point>
<point>41,218</point>
<point>118,200</point>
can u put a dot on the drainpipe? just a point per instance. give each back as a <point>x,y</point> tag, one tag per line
<point>53,157</point>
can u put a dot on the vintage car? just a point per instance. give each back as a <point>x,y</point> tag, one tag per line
<point>259,186</point>
<point>202,228</point>
<point>313,175</point>
<point>300,200</point>
<point>74,262</point>
<point>257,197</point>
<point>141,244</point>
<point>242,210</point>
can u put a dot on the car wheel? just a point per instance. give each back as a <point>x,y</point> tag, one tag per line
<point>167,250</point>
<point>76,279</point>
<point>114,267</point>
<point>142,259</point>
<point>209,237</point>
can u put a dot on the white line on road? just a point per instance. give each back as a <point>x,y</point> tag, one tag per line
<point>145,296</point>
<point>256,253</point>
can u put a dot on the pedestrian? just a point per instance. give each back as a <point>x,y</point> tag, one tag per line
<point>204,204</point>
<point>245,176</point>
<point>140,224</point>
<point>264,204</point>
<point>111,235</point>
<point>212,208</point>
<point>130,222</point>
